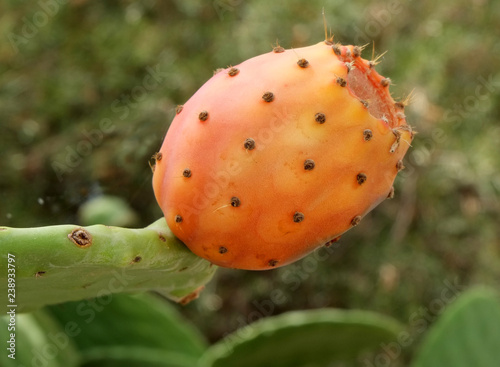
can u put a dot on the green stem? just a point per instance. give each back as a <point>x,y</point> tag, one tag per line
<point>67,263</point>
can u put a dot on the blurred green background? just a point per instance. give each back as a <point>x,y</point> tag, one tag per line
<point>79,120</point>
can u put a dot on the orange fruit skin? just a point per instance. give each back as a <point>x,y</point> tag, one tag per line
<point>263,230</point>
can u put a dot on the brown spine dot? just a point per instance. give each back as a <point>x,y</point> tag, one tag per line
<point>178,109</point>
<point>186,173</point>
<point>385,82</point>
<point>273,263</point>
<point>356,51</point>
<point>391,193</point>
<point>178,219</point>
<point>309,164</point>
<point>361,178</point>
<point>355,221</point>
<point>365,103</point>
<point>332,241</point>
<point>249,144</point>
<point>336,50</point>
<point>400,166</point>
<point>233,71</point>
<point>222,250</point>
<point>268,96</point>
<point>400,105</point>
<point>136,259</point>
<point>367,134</point>
<point>278,49</point>
<point>298,217</point>
<point>203,116</point>
<point>235,202</point>
<point>341,81</point>
<point>158,156</point>
<point>320,118</point>
<point>303,63</point>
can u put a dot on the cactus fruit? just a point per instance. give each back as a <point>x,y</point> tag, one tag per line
<point>279,155</point>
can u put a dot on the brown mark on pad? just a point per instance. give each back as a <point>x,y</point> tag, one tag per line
<point>320,118</point>
<point>191,296</point>
<point>186,173</point>
<point>162,238</point>
<point>268,96</point>
<point>203,116</point>
<point>341,81</point>
<point>309,164</point>
<point>178,109</point>
<point>136,259</point>
<point>38,274</point>
<point>222,250</point>
<point>303,63</point>
<point>273,262</point>
<point>367,134</point>
<point>355,221</point>
<point>233,71</point>
<point>298,217</point>
<point>361,178</point>
<point>249,144</point>
<point>235,202</point>
<point>178,219</point>
<point>80,237</point>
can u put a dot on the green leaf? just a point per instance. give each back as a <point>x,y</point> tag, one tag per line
<point>467,334</point>
<point>135,357</point>
<point>63,263</point>
<point>303,338</point>
<point>39,341</point>
<point>123,327</point>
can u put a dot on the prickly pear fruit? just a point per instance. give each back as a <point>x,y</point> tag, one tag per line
<point>279,155</point>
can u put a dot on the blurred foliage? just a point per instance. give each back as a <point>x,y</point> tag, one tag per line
<point>79,119</point>
<point>466,334</point>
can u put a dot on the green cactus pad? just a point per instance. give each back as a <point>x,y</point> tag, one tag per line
<point>39,341</point>
<point>63,263</point>
<point>303,338</point>
<point>467,334</point>
<point>156,336</point>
